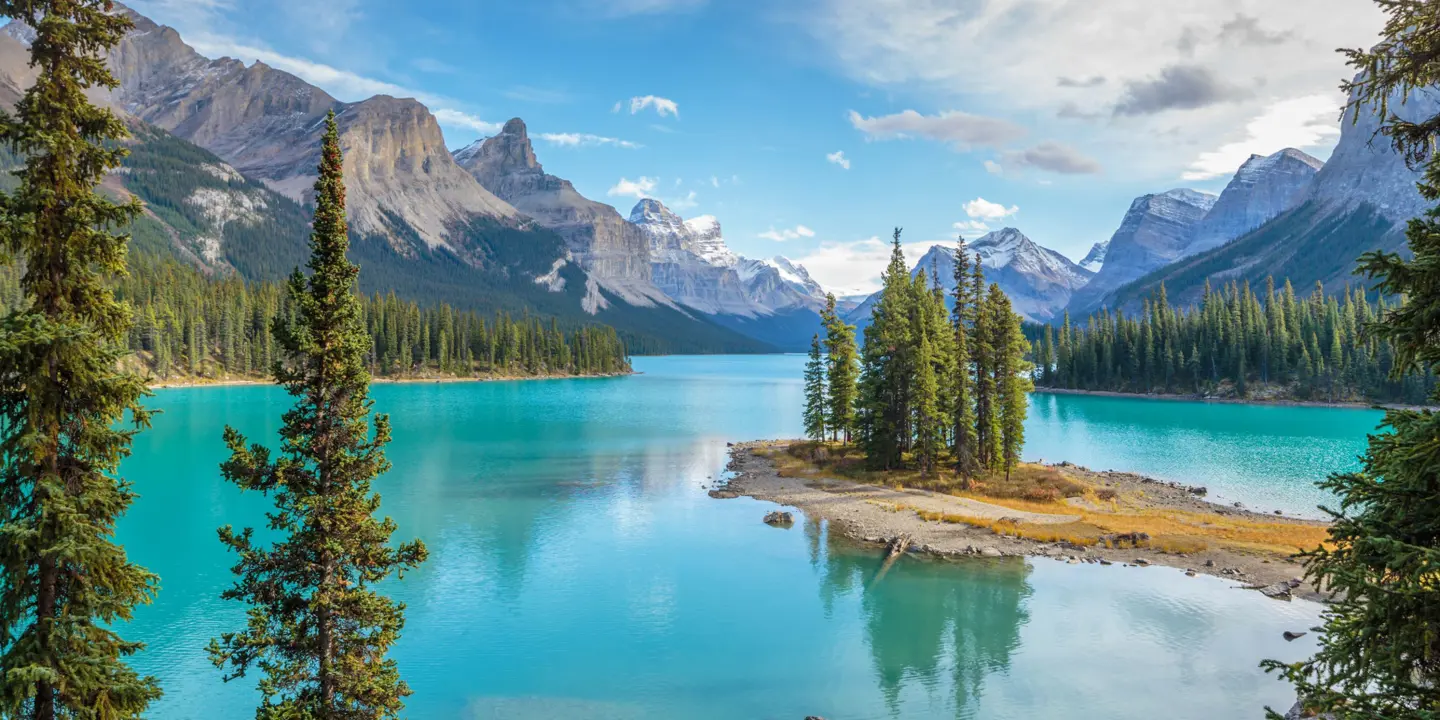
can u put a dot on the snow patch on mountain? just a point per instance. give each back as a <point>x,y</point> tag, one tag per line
<point>1096,257</point>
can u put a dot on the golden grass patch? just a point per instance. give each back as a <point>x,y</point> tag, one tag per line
<point>1044,489</point>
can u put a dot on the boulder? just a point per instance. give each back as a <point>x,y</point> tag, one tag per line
<point>722,494</point>
<point>779,518</point>
<point>1293,636</point>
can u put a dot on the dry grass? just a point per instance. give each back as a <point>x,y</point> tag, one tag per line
<point>1043,489</point>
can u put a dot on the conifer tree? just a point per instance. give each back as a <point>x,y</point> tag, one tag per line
<point>1379,655</point>
<point>318,629</point>
<point>842,372</point>
<point>925,388</point>
<point>1012,379</point>
<point>65,586</point>
<point>962,407</point>
<point>887,364</point>
<point>982,352</point>
<point>815,396</point>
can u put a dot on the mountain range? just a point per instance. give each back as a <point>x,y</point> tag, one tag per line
<point>224,156</point>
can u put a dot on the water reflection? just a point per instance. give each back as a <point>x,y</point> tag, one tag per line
<point>930,624</point>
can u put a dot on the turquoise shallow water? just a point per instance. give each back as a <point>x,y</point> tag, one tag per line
<point>579,570</point>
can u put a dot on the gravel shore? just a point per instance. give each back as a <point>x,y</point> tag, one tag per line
<point>874,514</point>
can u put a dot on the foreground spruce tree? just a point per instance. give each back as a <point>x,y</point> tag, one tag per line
<point>815,395</point>
<point>842,372</point>
<point>1380,652</point>
<point>64,583</point>
<point>317,628</point>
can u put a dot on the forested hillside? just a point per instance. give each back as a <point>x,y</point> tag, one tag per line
<point>1234,342</point>
<point>192,327</point>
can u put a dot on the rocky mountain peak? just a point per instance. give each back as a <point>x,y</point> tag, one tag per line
<point>708,241</point>
<point>652,214</point>
<point>1364,168</point>
<point>505,164</point>
<point>1096,257</point>
<point>1263,187</point>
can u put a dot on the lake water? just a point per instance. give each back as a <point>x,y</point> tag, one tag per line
<point>578,569</point>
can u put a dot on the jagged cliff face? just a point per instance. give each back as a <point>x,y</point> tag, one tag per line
<point>680,272</point>
<point>401,181</point>
<point>1156,231</point>
<point>1096,257</point>
<point>1365,169</point>
<point>1264,187</point>
<point>691,263</point>
<point>612,250</point>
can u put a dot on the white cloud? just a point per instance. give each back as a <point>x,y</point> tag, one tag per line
<point>994,168</point>
<point>783,234</point>
<point>854,268</point>
<point>1304,122</point>
<point>961,128</point>
<point>982,209</point>
<point>663,106</point>
<point>838,158</point>
<point>641,187</point>
<point>466,121</point>
<point>343,84</point>
<point>616,109</point>
<point>714,181</point>
<point>1038,60</point>
<point>972,226</point>
<point>586,140</point>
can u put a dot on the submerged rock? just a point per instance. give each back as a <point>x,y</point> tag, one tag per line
<point>721,494</point>
<point>1293,636</point>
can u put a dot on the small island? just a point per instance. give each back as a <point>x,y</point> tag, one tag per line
<point>1060,511</point>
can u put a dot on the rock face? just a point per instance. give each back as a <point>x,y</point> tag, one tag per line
<point>1365,170</point>
<point>1039,281</point>
<point>1261,189</point>
<point>1096,257</point>
<point>1357,202</point>
<point>401,181</point>
<point>612,250</point>
<point>691,264</point>
<point>1155,232</point>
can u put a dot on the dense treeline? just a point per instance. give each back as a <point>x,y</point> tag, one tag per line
<point>932,387</point>
<point>1236,341</point>
<point>189,325</point>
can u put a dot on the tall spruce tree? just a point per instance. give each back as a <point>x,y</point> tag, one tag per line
<point>815,397</point>
<point>1379,654</point>
<point>982,353</point>
<point>886,367</point>
<point>1012,379</point>
<point>65,586</point>
<point>962,404</point>
<point>318,629</point>
<point>928,421</point>
<point>842,371</point>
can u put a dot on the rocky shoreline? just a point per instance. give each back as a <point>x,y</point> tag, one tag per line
<point>871,514</point>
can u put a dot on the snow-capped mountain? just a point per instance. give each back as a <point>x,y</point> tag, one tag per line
<point>1261,189</point>
<point>691,263</point>
<point>1155,232</point>
<point>1038,280</point>
<point>1096,257</point>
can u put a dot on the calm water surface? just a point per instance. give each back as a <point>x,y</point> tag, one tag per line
<point>578,569</point>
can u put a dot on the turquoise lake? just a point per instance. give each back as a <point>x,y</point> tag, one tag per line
<point>578,569</point>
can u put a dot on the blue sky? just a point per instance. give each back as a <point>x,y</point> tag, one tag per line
<point>811,128</point>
